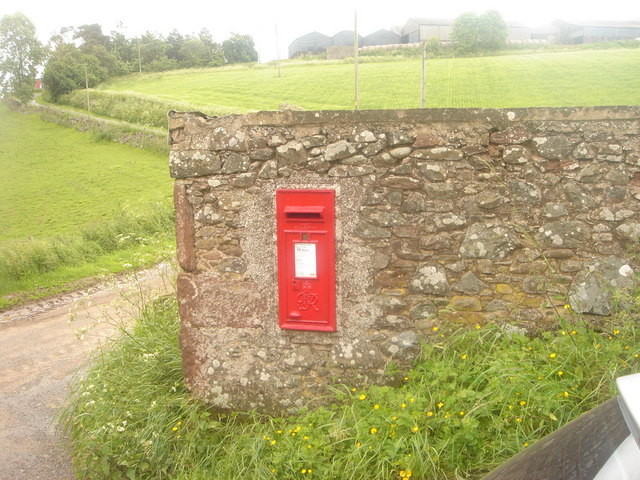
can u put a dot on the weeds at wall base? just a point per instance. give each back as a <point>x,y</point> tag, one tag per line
<point>475,397</point>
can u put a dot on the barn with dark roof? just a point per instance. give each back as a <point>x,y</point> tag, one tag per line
<point>345,38</point>
<point>381,37</point>
<point>311,43</point>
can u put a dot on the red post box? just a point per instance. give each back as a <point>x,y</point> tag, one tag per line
<point>306,259</point>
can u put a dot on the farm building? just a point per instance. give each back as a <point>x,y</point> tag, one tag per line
<point>422,29</point>
<point>345,38</point>
<point>381,37</point>
<point>311,43</point>
<point>597,31</point>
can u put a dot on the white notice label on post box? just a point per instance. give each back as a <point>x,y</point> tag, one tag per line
<point>305,260</point>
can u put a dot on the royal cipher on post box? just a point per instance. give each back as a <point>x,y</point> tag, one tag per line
<point>306,259</point>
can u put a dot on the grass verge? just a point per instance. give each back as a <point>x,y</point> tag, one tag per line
<point>475,397</point>
<point>37,268</point>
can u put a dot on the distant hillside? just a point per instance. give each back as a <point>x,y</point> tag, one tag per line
<point>592,77</point>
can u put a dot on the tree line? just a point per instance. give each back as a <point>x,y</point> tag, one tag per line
<point>77,57</point>
<point>84,56</point>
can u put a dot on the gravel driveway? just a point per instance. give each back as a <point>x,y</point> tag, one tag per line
<point>42,347</point>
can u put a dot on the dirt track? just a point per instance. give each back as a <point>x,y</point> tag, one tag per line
<point>42,347</point>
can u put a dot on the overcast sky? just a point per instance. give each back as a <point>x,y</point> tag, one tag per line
<point>294,17</point>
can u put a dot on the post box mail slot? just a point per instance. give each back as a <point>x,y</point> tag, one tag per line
<point>306,259</point>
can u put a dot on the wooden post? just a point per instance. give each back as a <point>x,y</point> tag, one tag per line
<point>424,73</point>
<point>277,52</point>
<point>355,55</point>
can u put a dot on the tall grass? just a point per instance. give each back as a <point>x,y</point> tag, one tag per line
<point>474,398</point>
<point>129,106</point>
<point>23,258</point>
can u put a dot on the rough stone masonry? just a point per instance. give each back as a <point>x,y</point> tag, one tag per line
<point>460,215</point>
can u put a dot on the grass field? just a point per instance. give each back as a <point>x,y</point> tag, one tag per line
<point>69,203</point>
<point>594,77</point>
<point>55,180</point>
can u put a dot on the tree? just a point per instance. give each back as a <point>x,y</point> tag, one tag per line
<point>69,69</point>
<point>20,54</point>
<point>216,57</point>
<point>493,31</point>
<point>465,32</point>
<point>239,49</point>
<point>472,33</point>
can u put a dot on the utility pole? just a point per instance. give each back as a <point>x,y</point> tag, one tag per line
<point>139,59</point>
<point>424,73</point>
<point>277,51</point>
<point>355,55</point>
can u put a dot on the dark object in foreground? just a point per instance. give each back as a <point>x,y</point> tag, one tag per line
<point>596,446</point>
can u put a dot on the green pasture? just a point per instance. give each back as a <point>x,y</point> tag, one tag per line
<point>69,203</point>
<point>55,179</point>
<point>577,78</point>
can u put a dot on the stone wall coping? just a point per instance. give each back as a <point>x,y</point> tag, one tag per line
<point>427,115</point>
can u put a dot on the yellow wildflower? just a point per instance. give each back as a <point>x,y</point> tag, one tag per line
<point>560,373</point>
<point>373,430</point>
<point>429,413</point>
<point>362,397</point>
<point>523,403</point>
<point>376,406</point>
<point>440,404</point>
<point>415,429</point>
<point>435,329</point>
<point>552,355</point>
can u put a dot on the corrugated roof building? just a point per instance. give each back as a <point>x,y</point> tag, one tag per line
<point>422,29</point>
<point>594,32</point>
<point>381,37</point>
<point>311,43</point>
<point>345,38</point>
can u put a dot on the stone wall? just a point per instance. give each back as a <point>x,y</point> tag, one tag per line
<point>470,216</point>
